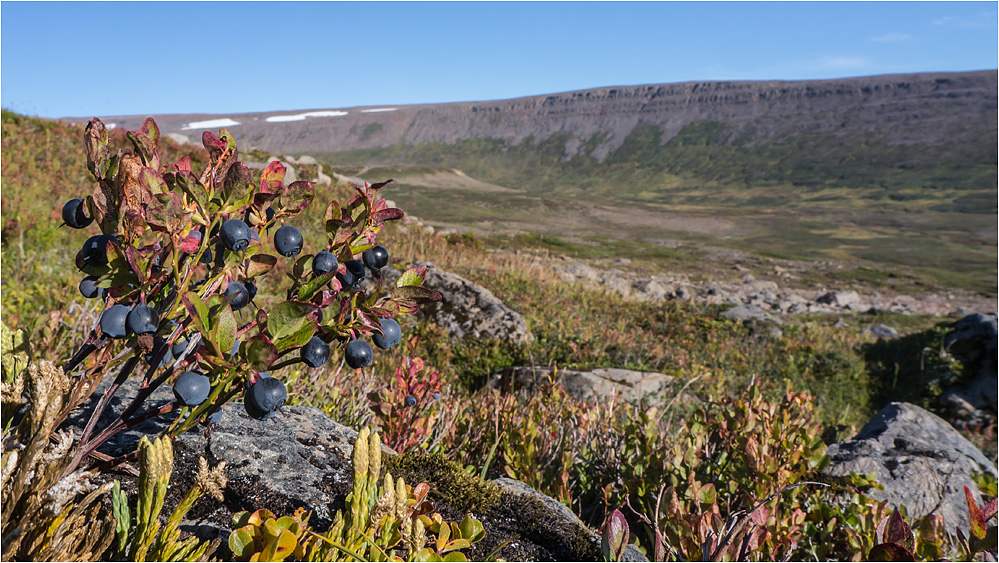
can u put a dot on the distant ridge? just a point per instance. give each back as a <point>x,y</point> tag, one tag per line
<point>929,109</point>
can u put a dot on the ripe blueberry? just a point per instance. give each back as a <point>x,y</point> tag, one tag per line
<point>358,354</point>
<point>143,319</point>
<point>288,241</point>
<point>95,251</point>
<point>113,321</point>
<point>191,388</point>
<point>239,294</point>
<point>251,289</point>
<point>375,258</point>
<point>315,353</point>
<point>235,235</point>
<point>158,345</point>
<point>263,399</point>
<point>206,256</point>
<point>437,395</point>
<point>391,334</point>
<point>323,262</point>
<point>88,287</point>
<point>74,214</point>
<point>179,346</point>
<point>410,401</point>
<point>269,213</point>
<point>354,274</point>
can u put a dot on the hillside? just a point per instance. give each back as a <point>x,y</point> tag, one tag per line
<point>895,172</point>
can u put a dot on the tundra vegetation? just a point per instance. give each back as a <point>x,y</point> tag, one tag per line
<point>278,313</point>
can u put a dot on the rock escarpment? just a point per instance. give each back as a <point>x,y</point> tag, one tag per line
<point>928,108</point>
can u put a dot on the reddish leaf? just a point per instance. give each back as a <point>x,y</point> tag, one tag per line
<point>272,177</point>
<point>98,148</point>
<point>190,245</point>
<point>989,510</point>
<point>615,537</point>
<point>260,264</point>
<point>890,552</point>
<point>978,522</point>
<point>183,164</point>
<point>390,214</point>
<point>132,257</point>
<point>379,185</point>
<point>261,353</point>
<point>295,198</point>
<point>238,185</point>
<point>145,141</point>
<point>417,294</point>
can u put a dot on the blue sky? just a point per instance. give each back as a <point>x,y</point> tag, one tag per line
<point>92,58</point>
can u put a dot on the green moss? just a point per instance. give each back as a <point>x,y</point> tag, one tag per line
<point>449,483</point>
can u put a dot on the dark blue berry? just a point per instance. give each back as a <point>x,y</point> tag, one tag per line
<point>323,262</point>
<point>263,399</point>
<point>179,346</point>
<point>74,214</point>
<point>191,388</point>
<point>95,251</point>
<point>251,289</point>
<point>143,319</point>
<point>315,353</point>
<point>235,235</point>
<point>88,287</point>
<point>437,395</point>
<point>239,295</point>
<point>391,334</point>
<point>375,258</point>
<point>288,241</point>
<point>113,321</point>
<point>358,354</point>
<point>410,401</point>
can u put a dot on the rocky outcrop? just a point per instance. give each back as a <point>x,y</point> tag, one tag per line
<point>468,309</point>
<point>920,459</point>
<point>974,337</point>
<point>595,385</point>
<point>930,108</point>
<point>563,517</point>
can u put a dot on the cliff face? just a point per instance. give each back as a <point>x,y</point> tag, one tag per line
<point>931,109</point>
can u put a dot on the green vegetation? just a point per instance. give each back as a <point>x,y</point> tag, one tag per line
<point>812,196</point>
<point>751,414</point>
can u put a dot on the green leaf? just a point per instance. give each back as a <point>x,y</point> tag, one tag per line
<point>241,541</point>
<point>454,556</point>
<point>309,288</point>
<point>287,319</point>
<point>186,181</point>
<point>471,529</point>
<point>198,311</point>
<point>224,329</point>
<point>298,338</point>
<point>413,276</point>
<point>261,353</point>
<point>260,264</point>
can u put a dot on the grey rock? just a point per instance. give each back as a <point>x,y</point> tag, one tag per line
<point>922,461</point>
<point>567,517</point>
<point>617,284</point>
<point>469,309</point>
<point>839,298</point>
<point>881,331</point>
<point>746,313</point>
<point>975,338</point>
<point>651,289</point>
<point>179,138</point>
<point>595,385</point>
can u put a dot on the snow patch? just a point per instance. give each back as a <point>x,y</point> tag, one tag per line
<point>376,110</point>
<point>210,124</point>
<point>302,116</point>
<point>110,125</point>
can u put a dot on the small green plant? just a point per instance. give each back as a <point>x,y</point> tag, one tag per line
<point>384,520</point>
<point>151,540</point>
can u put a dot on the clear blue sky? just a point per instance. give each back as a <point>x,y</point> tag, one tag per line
<point>93,58</point>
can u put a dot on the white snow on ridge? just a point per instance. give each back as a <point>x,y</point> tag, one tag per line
<point>376,110</point>
<point>302,116</point>
<point>110,125</point>
<point>210,124</point>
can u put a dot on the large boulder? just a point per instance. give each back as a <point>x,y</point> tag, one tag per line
<point>921,460</point>
<point>468,309</point>
<point>595,385</point>
<point>974,338</point>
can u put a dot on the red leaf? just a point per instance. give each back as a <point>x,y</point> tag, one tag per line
<point>890,552</point>
<point>183,164</point>
<point>272,178</point>
<point>978,530</point>
<point>391,214</point>
<point>189,245</point>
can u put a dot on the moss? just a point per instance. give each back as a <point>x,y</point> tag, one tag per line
<point>449,483</point>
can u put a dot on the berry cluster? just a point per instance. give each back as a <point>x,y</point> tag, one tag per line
<point>177,261</point>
